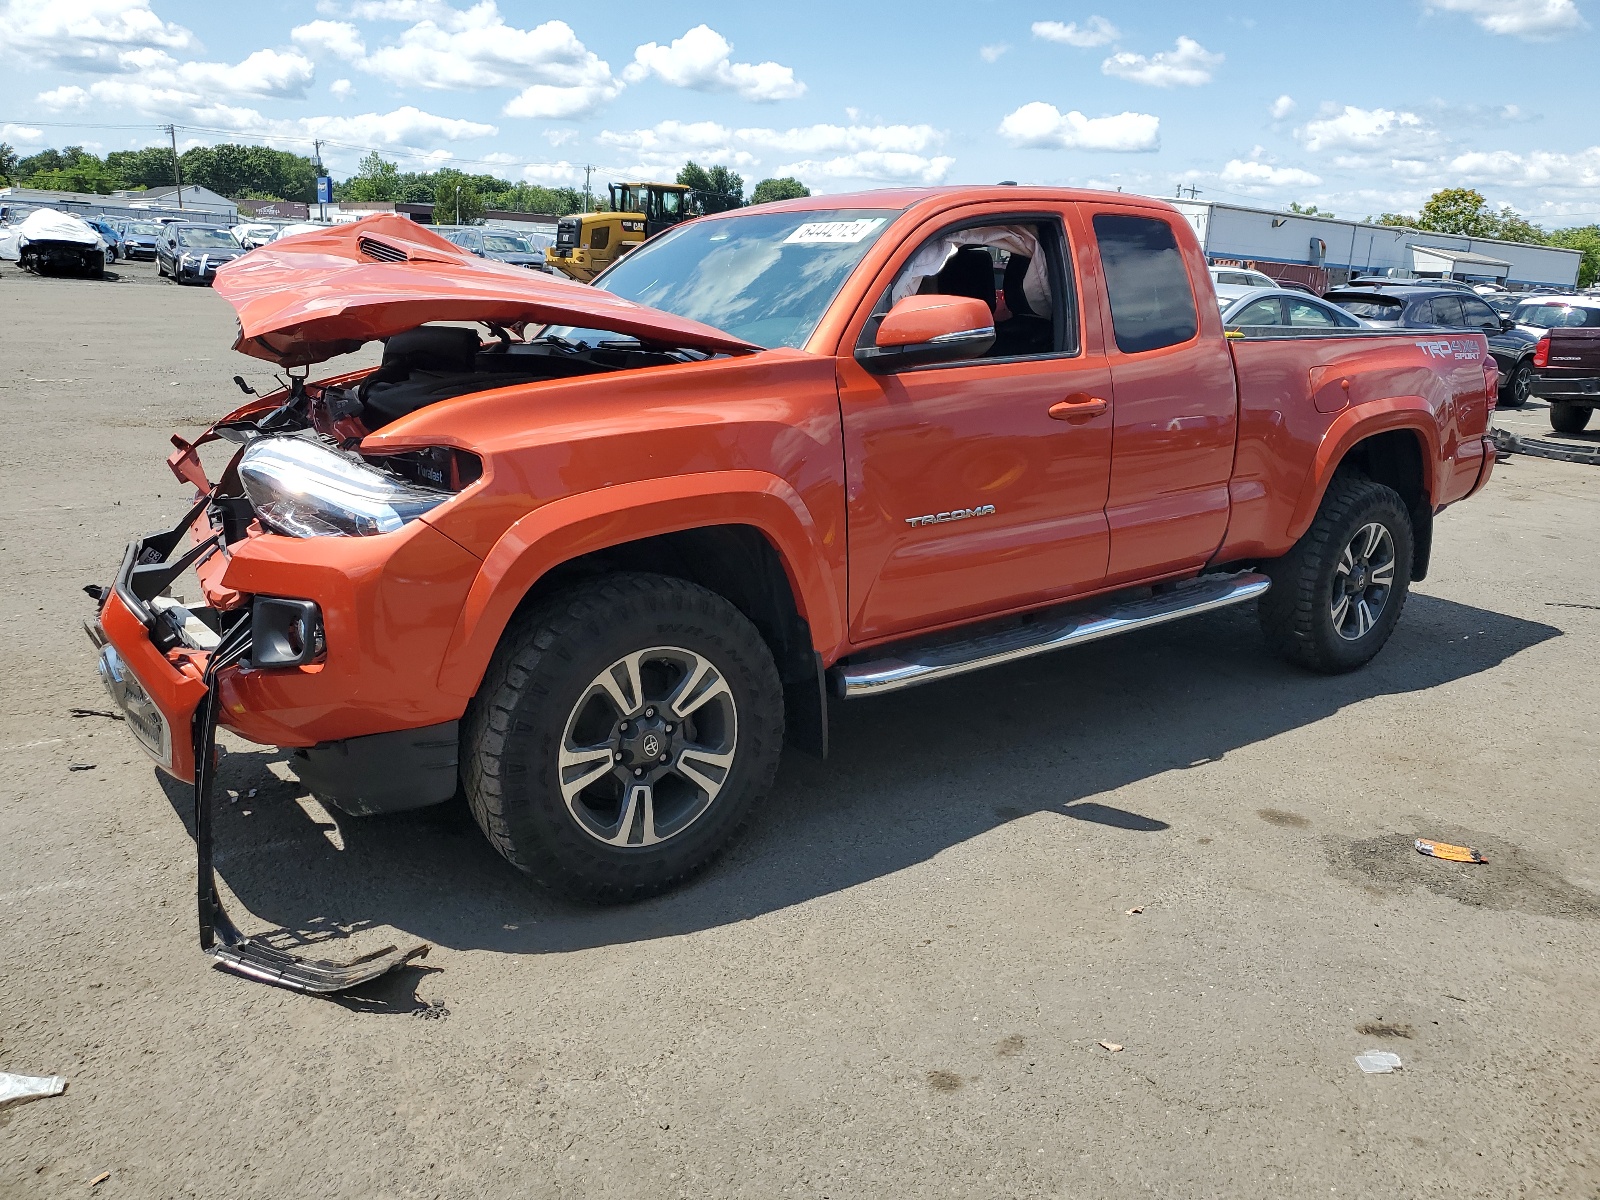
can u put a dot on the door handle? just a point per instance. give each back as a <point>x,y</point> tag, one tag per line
<point>1078,407</point>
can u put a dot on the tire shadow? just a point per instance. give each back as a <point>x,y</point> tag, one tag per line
<point>909,776</point>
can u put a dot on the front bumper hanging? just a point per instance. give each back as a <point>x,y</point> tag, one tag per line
<point>144,572</point>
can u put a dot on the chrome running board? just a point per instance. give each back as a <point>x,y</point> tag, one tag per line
<point>945,660</point>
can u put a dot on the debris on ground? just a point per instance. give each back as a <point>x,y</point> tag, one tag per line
<point>1448,852</point>
<point>80,766</point>
<point>1111,1046</point>
<point>1134,912</point>
<point>29,1087</point>
<point>100,1178</point>
<point>94,712</point>
<point>1379,1062</point>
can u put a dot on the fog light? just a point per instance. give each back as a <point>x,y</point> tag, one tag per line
<point>285,633</point>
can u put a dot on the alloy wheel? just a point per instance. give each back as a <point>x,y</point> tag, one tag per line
<point>1362,581</point>
<point>648,746</point>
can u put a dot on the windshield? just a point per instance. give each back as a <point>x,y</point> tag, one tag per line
<point>505,243</point>
<point>207,239</point>
<point>764,277</point>
<point>1556,316</point>
<point>1372,310</point>
<point>142,230</point>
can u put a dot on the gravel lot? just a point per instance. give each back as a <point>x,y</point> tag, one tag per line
<point>899,984</point>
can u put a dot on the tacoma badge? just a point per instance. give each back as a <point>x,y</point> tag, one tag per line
<point>955,514</point>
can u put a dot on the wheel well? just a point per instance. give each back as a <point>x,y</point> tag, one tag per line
<point>1394,459</point>
<point>742,566</point>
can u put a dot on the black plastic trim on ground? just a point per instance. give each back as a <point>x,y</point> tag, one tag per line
<point>1510,443</point>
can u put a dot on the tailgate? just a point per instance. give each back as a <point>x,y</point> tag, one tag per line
<point>1574,350</point>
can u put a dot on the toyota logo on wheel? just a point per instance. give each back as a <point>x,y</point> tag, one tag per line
<point>651,745</point>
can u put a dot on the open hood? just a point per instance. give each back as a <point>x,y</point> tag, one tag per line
<point>308,297</point>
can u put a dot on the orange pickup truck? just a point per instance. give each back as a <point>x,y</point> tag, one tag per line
<point>595,561</point>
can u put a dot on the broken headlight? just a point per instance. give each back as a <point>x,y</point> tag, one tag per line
<point>304,489</point>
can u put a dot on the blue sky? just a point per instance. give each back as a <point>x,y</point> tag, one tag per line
<point>1359,108</point>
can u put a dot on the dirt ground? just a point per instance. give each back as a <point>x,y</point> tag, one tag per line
<point>901,983</point>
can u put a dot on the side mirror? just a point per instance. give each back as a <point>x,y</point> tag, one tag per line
<point>929,329</point>
<point>1507,324</point>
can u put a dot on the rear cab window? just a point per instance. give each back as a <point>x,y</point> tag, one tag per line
<point>1147,282</point>
<point>1371,308</point>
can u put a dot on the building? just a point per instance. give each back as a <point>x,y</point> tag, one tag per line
<point>1324,252</point>
<point>189,198</point>
<point>198,204</point>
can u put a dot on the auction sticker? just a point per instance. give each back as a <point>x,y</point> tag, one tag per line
<point>834,233</point>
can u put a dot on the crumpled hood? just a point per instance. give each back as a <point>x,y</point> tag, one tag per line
<point>308,297</point>
<point>47,225</point>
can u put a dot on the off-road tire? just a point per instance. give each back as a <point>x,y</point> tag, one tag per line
<point>1569,418</point>
<point>1296,614</point>
<point>1515,392</point>
<point>515,726</point>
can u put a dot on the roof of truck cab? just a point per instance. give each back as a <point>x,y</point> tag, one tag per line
<point>899,199</point>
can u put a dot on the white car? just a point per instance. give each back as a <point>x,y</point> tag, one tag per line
<point>1282,308</point>
<point>1242,277</point>
<point>1551,312</point>
<point>253,234</point>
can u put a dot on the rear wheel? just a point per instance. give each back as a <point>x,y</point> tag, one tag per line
<point>1569,418</point>
<point>622,736</point>
<point>1515,392</point>
<point>1337,595</point>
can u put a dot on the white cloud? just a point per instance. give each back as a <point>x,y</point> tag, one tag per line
<point>817,154</point>
<point>1043,126</point>
<point>404,126</point>
<point>1096,31</point>
<point>158,83</point>
<point>701,60</point>
<point>341,89</point>
<point>561,174</point>
<point>84,34</point>
<point>267,73</point>
<point>1282,107</point>
<point>992,53</point>
<point>1187,64</point>
<point>1533,169</point>
<point>399,10</point>
<point>1251,174</point>
<point>338,38</point>
<point>560,137</point>
<point>20,133</point>
<point>1531,20</point>
<point>475,48</point>
<point>1365,129</point>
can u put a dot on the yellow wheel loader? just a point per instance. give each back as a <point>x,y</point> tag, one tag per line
<point>588,243</point>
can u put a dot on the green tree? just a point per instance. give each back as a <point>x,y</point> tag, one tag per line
<point>786,188</point>
<point>255,172</point>
<point>1587,239</point>
<point>456,201</point>
<point>1309,210</point>
<point>376,178</point>
<point>1458,210</point>
<point>71,170</point>
<point>8,162</point>
<point>147,168</point>
<point>717,188</point>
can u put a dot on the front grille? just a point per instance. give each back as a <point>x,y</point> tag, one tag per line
<point>381,251</point>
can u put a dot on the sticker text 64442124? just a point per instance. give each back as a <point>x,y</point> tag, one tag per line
<point>833,233</point>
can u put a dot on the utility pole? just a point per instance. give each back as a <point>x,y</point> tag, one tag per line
<point>316,150</point>
<point>177,175</point>
<point>586,171</point>
<point>458,204</point>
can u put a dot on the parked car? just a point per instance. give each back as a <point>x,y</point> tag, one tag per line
<point>1365,281</point>
<point>1413,306</point>
<point>1535,315</point>
<point>1505,303</point>
<point>1280,308</point>
<point>110,236</point>
<point>502,245</point>
<point>48,242</point>
<point>191,253</point>
<point>1242,277</point>
<point>596,575</point>
<point>1566,359</point>
<point>253,234</point>
<point>139,239</point>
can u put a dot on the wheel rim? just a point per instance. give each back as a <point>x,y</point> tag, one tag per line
<point>648,747</point>
<point>1362,582</point>
<point>1520,383</point>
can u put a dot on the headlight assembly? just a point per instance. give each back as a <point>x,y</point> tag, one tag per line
<point>303,489</point>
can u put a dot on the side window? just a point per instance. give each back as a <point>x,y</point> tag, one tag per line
<point>1480,315</point>
<point>1152,304</point>
<point>1015,265</point>
<point>1305,315</point>
<point>1262,312</point>
<point>1447,311</point>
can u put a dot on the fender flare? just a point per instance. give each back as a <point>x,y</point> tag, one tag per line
<point>571,527</point>
<point>1354,425</point>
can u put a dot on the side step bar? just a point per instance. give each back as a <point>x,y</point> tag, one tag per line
<point>876,677</point>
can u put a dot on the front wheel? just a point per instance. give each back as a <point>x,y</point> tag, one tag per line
<point>1569,418</point>
<point>1337,595</point>
<point>622,736</point>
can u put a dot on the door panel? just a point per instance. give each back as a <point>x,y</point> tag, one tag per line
<point>1016,495</point>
